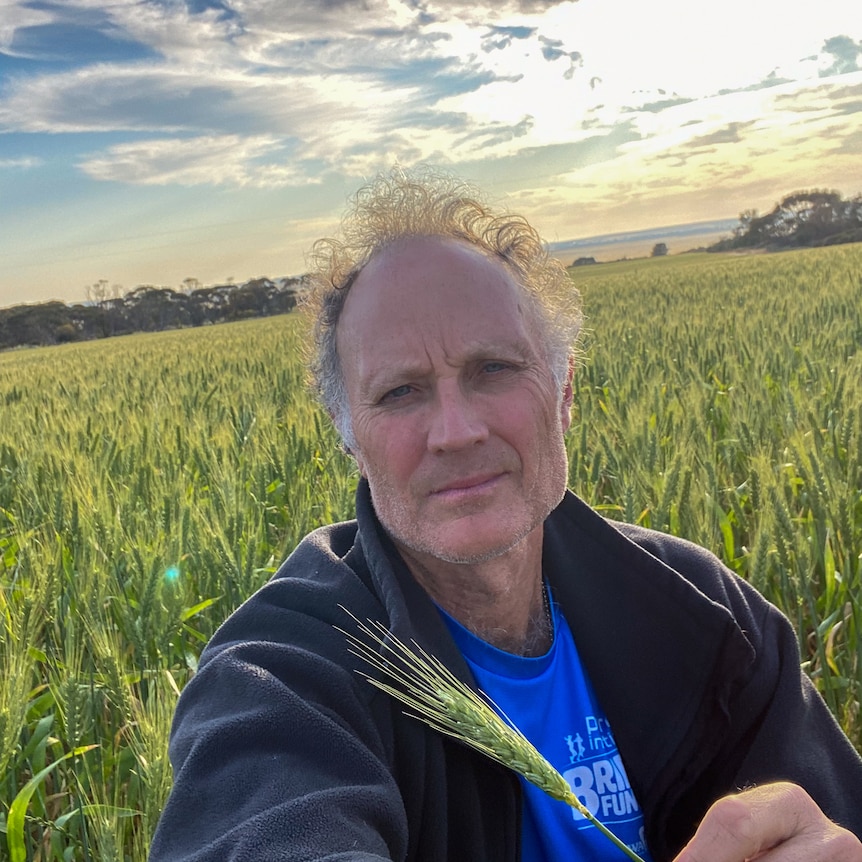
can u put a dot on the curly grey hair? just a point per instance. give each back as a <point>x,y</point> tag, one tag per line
<point>429,203</point>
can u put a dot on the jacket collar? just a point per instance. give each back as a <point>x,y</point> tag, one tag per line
<point>663,658</point>
<point>413,616</point>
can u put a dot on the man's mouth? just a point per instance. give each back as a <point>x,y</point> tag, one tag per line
<point>465,485</point>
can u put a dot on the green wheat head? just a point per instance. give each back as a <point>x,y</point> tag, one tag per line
<point>443,702</point>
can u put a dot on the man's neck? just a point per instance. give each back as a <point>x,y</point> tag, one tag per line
<point>500,600</point>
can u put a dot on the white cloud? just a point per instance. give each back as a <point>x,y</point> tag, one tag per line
<point>22,163</point>
<point>16,16</point>
<point>179,100</point>
<point>479,13</point>
<point>354,104</point>
<point>228,159</point>
<point>204,39</point>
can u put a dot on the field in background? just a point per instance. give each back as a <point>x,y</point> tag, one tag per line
<point>148,484</point>
<point>640,243</point>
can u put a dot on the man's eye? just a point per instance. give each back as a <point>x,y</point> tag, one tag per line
<point>397,392</point>
<point>494,367</point>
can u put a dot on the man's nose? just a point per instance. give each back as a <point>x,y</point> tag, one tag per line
<point>456,422</point>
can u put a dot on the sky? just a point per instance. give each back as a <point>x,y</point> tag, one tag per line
<point>152,141</point>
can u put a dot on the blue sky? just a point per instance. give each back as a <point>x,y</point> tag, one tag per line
<point>149,141</point>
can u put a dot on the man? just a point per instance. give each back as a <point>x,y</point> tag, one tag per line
<point>666,691</point>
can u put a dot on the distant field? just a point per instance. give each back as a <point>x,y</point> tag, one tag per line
<point>148,484</point>
<point>636,244</point>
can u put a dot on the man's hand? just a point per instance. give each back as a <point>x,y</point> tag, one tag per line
<point>772,823</point>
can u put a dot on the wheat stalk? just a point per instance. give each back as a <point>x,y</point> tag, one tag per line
<point>422,682</point>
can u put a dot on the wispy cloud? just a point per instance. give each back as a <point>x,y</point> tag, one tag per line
<point>262,162</point>
<point>273,70</point>
<point>831,97</point>
<point>729,134</point>
<point>20,163</point>
<point>402,80</point>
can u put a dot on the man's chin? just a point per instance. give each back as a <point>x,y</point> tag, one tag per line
<point>463,550</point>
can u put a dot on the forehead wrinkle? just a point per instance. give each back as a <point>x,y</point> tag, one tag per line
<point>422,333</point>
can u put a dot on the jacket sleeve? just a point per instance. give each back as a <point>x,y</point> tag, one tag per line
<point>275,748</point>
<point>780,727</point>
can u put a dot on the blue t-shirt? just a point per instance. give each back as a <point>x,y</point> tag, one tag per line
<point>550,700</point>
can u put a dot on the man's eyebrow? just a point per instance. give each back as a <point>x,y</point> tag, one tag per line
<point>388,377</point>
<point>519,349</point>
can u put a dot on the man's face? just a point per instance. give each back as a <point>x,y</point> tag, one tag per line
<point>457,421</point>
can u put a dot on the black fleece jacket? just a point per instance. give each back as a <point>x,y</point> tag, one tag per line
<point>282,752</point>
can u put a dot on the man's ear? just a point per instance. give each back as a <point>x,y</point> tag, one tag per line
<point>360,462</point>
<point>345,448</point>
<point>568,397</point>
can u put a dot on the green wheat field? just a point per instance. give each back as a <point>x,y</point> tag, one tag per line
<point>148,484</point>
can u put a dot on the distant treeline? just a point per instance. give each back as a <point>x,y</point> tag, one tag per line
<point>145,309</point>
<point>802,220</point>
